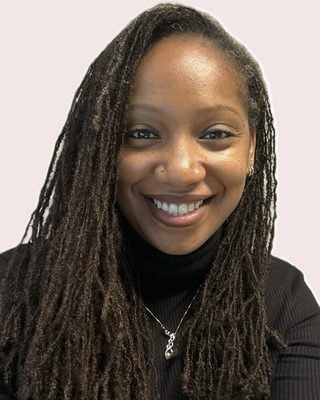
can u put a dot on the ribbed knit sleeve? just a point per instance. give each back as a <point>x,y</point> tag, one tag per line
<point>294,312</point>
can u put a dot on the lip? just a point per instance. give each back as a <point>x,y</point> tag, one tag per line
<point>179,221</point>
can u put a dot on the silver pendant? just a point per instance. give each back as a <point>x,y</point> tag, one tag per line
<point>169,352</point>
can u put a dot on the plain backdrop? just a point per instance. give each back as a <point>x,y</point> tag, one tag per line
<point>47,46</point>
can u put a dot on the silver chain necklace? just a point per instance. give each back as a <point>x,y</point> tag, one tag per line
<point>169,351</point>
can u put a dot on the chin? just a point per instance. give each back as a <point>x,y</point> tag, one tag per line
<point>177,248</point>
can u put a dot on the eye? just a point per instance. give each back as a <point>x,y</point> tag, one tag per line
<point>216,134</point>
<point>142,133</point>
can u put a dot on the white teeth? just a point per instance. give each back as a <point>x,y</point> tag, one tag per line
<point>165,207</point>
<point>174,209</point>
<point>183,209</point>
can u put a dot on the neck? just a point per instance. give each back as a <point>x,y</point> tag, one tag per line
<point>160,275</point>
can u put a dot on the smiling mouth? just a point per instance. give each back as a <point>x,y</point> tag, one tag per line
<point>177,209</point>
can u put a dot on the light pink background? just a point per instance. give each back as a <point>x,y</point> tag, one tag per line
<point>47,46</point>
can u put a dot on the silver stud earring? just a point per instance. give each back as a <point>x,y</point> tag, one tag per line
<point>251,171</point>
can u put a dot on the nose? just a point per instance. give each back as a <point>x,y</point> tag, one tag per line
<point>181,165</point>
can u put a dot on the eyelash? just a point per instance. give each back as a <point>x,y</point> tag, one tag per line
<point>219,132</point>
<point>135,133</point>
<point>142,133</point>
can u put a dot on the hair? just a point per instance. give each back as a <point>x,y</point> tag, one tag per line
<point>71,316</point>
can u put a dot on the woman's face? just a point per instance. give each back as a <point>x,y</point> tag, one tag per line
<point>188,147</point>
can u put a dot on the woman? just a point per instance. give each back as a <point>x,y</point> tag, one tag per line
<point>148,271</point>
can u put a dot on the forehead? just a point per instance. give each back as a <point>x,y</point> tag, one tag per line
<point>190,52</point>
<point>188,66</point>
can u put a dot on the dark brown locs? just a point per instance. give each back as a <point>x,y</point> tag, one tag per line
<point>71,328</point>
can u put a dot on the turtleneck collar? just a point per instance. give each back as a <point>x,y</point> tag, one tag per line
<point>161,275</point>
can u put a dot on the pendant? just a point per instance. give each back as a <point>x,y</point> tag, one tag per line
<point>169,352</point>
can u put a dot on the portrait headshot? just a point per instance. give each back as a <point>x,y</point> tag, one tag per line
<point>159,201</point>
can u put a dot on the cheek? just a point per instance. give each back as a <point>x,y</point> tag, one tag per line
<point>131,171</point>
<point>232,178</point>
<point>230,169</point>
<point>136,174</point>
<point>124,199</point>
<point>135,166</point>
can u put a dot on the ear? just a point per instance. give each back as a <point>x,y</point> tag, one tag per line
<point>251,154</point>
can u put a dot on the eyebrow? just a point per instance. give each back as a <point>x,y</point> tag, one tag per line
<point>202,110</point>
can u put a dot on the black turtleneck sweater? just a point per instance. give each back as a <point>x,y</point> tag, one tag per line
<point>168,283</point>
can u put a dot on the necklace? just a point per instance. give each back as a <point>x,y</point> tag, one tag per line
<point>169,351</point>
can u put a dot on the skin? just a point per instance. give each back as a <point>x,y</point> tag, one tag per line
<point>188,139</point>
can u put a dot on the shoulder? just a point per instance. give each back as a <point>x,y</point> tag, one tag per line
<point>288,298</point>
<point>6,257</point>
<point>293,311</point>
<point>4,260</point>
<point>5,390</point>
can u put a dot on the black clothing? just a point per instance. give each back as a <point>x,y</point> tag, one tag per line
<point>168,284</point>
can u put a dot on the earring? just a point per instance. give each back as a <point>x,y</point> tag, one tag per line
<point>162,170</point>
<point>251,169</point>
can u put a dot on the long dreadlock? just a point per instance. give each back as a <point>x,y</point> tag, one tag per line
<point>70,317</point>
